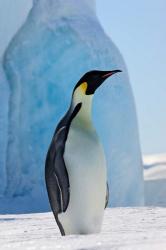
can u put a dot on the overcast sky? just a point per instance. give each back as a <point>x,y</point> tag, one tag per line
<point>138,28</point>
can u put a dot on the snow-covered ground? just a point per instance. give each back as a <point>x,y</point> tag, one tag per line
<point>123,228</point>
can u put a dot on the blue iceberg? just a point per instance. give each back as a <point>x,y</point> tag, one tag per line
<point>57,44</point>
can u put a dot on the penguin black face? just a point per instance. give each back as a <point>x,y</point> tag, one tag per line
<point>93,79</point>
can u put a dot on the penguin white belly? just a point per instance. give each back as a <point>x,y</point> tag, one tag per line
<point>86,166</point>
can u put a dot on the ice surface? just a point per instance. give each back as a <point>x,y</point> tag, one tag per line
<point>56,45</point>
<point>123,228</point>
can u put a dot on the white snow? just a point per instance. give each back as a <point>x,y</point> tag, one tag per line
<point>123,228</point>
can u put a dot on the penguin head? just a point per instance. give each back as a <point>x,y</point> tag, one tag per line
<point>85,89</point>
<point>90,82</point>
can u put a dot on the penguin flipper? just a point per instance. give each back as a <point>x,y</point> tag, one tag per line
<point>57,181</point>
<point>107,196</point>
<point>56,176</point>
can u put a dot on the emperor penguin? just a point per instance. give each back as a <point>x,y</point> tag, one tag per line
<point>75,169</point>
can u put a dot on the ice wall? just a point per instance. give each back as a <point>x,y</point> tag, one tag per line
<point>4,98</point>
<point>56,45</point>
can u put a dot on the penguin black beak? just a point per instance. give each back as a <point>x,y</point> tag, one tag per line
<point>104,76</point>
<point>97,78</point>
<point>110,73</point>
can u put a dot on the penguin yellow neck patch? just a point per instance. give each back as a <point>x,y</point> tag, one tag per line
<point>83,87</point>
